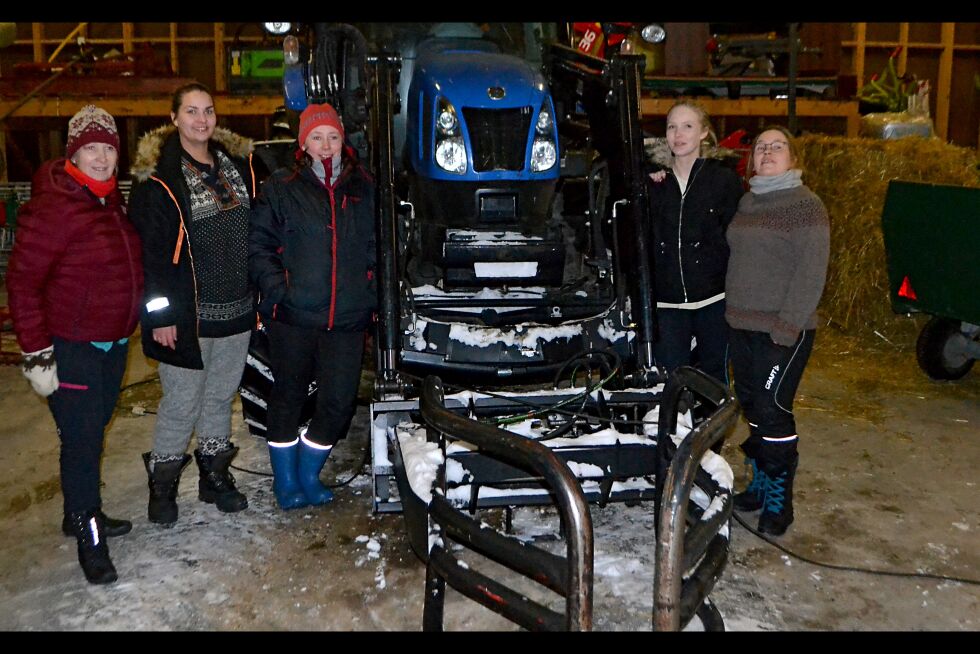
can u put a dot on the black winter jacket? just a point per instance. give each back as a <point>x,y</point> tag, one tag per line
<point>160,208</point>
<point>312,248</point>
<point>689,248</point>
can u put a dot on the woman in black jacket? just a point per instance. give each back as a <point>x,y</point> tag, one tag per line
<point>312,256</point>
<point>191,204</point>
<point>691,204</point>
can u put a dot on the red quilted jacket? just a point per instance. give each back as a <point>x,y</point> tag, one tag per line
<point>75,270</point>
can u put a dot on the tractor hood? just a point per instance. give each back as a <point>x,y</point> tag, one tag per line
<point>469,78</point>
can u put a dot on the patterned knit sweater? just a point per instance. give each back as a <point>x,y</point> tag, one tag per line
<point>780,244</point>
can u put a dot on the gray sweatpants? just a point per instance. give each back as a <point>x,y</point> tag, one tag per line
<point>199,400</point>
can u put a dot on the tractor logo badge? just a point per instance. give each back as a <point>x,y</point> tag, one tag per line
<point>496,92</point>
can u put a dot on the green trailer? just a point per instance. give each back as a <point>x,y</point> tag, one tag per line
<point>932,246</point>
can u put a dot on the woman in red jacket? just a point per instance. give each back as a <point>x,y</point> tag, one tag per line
<point>74,284</point>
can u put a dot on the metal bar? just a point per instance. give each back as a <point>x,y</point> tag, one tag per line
<point>543,567</point>
<point>383,89</point>
<point>677,484</point>
<point>626,75</point>
<point>572,506</point>
<point>495,596</point>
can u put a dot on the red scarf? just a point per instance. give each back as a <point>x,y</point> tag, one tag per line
<point>99,189</point>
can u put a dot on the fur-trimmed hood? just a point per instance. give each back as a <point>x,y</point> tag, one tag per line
<point>658,152</point>
<point>151,145</point>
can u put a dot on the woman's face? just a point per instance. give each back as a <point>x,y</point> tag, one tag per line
<point>685,132</point>
<point>96,160</point>
<point>771,154</point>
<point>195,119</point>
<point>323,142</point>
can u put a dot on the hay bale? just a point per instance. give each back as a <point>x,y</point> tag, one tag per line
<point>851,176</point>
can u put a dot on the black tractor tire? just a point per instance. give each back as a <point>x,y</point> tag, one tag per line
<point>932,353</point>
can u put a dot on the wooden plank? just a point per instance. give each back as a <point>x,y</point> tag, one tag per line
<point>128,33</point>
<point>846,109</point>
<point>174,60</point>
<point>37,32</point>
<point>65,106</point>
<point>220,77</point>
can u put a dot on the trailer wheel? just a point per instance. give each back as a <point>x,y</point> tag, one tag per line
<point>940,350</point>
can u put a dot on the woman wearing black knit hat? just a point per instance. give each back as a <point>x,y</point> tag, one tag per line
<point>312,256</point>
<point>191,203</point>
<point>780,244</point>
<point>74,283</point>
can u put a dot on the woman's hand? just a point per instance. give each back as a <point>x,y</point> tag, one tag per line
<point>166,336</point>
<point>658,176</point>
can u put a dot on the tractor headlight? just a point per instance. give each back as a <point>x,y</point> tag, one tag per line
<point>277,29</point>
<point>543,155</point>
<point>545,122</point>
<point>450,149</point>
<point>653,33</point>
<point>451,155</point>
<point>544,152</point>
<point>446,121</point>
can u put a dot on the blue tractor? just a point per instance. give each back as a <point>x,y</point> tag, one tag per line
<point>514,336</point>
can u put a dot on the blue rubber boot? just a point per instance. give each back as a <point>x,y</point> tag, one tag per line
<point>285,483</point>
<point>311,461</point>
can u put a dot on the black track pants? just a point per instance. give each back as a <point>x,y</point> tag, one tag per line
<point>766,378</point>
<point>298,355</point>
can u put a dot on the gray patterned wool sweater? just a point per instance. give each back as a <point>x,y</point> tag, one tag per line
<point>780,244</point>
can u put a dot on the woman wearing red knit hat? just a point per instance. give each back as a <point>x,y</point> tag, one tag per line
<point>312,257</point>
<point>74,283</point>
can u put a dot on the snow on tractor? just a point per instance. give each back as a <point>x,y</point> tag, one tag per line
<point>513,347</point>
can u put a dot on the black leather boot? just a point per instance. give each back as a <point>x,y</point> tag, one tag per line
<point>93,553</point>
<point>113,527</point>
<point>754,495</point>
<point>217,485</point>
<point>163,481</point>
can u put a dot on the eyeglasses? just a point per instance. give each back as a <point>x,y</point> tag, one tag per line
<point>775,147</point>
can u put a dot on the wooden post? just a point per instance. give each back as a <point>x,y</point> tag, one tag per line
<point>860,35</point>
<point>220,80</point>
<point>37,33</point>
<point>174,61</point>
<point>127,30</point>
<point>903,40</point>
<point>945,81</point>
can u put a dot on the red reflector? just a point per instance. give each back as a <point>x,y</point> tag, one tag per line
<point>905,290</point>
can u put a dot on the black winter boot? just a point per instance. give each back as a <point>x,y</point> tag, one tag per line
<point>777,511</point>
<point>752,498</point>
<point>217,485</point>
<point>163,482</point>
<point>93,553</point>
<point>113,527</point>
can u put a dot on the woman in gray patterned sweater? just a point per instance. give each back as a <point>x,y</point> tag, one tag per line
<point>780,243</point>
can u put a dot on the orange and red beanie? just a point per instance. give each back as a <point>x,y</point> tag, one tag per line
<point>90,125</point>
<point>315,115</point>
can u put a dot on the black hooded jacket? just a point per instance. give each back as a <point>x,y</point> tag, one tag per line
<point>688,236</point>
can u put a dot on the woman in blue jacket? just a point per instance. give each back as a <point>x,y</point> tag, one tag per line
<point>312,257</point>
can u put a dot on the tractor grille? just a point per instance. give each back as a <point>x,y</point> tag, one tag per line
<point>498,137</point>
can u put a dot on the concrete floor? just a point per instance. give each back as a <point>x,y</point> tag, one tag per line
<point>888,481</point>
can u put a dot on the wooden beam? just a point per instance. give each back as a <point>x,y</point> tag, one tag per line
<point>66,107</point>
<point>846,109</point>
<point>945,82</point>
<point>860,31</point>
<point>37,33</point>
<point>174,60</point>
<point>903,40</point>
<point>128,33</point>
<point>220,79</point>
